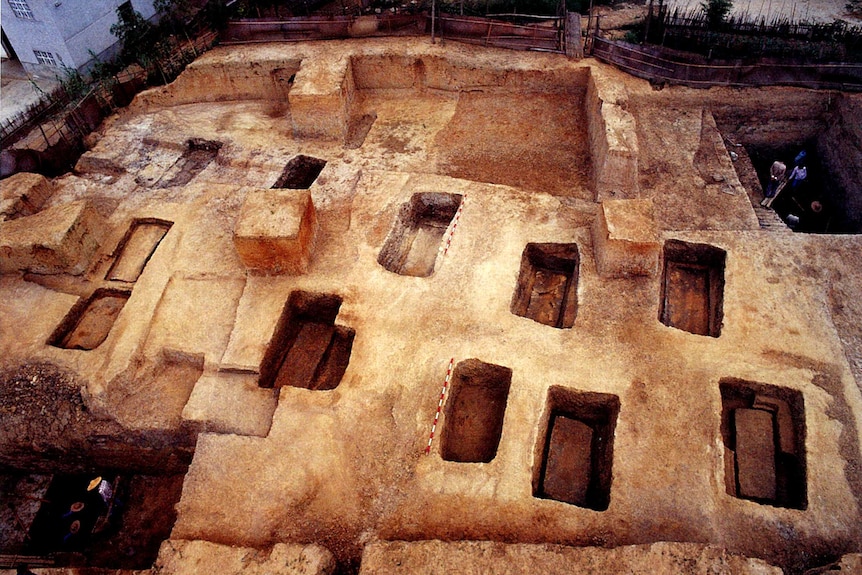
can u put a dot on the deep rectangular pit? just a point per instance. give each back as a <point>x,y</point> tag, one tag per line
<point>576,448</point>
<point>413,243</point>
<point>473,417</point>
<point>300,172</point>
<point>763,428</point>
<point>692,287</point>
<point>197,156</point>
<point>136,248</point>
<point>547,290</point>
<point>89,321</point>
<point>124,532</point>
<point>307,349</point>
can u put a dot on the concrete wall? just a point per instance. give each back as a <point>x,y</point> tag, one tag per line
<point>68,30</point>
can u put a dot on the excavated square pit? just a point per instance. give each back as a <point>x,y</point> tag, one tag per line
<point>413,243</point>
<point>692,287</point>
<point>763,428</point>
<point>473,417</point>
<point>76,526</point>
<point>547,290</point>
<point>299,173</point>
<point>90,320</point>
<point>197,156</point>
<point>307,349</point>
<point>136,248</point>
<point>576,448</point>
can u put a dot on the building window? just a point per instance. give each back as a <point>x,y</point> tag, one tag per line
<point>45,58</point>
<point>21,9</point>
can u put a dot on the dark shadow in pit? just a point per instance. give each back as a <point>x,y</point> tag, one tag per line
<point>413,243</point>
<point>197,156</point>
<point>692,287</point>
<point>90,320</point>
<point>576,448</point>
<point>136,248</point>
<point>815,205</point>
<point>547,290</point>
<point>74,526</point>
<point>473,416</point>
<point>299,173</point>
<point>307,349</point>
<point>763,428</point>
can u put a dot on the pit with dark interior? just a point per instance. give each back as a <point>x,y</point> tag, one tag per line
<point>692,287</point>
<point>307,349</point>
<point>575,451</point>
<point>763,428</point>
<point>547,290</point>
<point>300,172</point>
<point>473,417</point>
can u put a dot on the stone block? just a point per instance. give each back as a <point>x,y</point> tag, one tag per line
<point>24,194</point>
<point>321,98</point>
<point>275,231</point>
<point>61,239</point>
<point>626,239</point>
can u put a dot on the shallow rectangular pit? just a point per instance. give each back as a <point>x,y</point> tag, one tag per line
<point>197,156</point>
<point>299,173</point>
<point>692,287</point>
<point>89,321</point>
<point>575,448</point>
<point>547,290</point>
<point>136,248</point>
<point>413,243</point>
<point>307,349</point>
<point>473,417</point>
<point>763,428</point>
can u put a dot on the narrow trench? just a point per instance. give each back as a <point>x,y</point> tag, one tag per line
<point>90,320</point>
<point>197,156</point>
<point>136,248</point>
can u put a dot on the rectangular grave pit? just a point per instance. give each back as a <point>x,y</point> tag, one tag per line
<point>136,248</point>
<point>692,288</point>
<point>413,243</point>
<point>307,349</point>
<point>197,156</point>
<point>547,290</point>
<point>473,417</point>
<point>90,320</point>
<point>574,454</point>
<point>763,429</point>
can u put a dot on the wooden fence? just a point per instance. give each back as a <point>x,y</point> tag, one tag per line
<point>657,65</point>
<point>546,34</point>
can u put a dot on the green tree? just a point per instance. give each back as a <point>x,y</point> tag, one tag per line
<point>133,30</point>
<point>716,12</point>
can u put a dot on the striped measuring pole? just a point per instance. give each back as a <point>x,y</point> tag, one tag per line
<point>440,405</point>
<point>444,248</point>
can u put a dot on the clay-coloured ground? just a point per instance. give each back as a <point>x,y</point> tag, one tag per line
<point>346,467</point>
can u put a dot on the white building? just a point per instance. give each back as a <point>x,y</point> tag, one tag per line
<point>64,33</point>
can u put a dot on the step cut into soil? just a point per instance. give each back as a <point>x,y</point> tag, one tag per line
<point>299,173</point>
<point>89,321</point>
<point>307,349</point>
<point>576,449</point>
<point>473,417</point>
<point>136,248</point>
<point>763,428</point>
<point>197,156</point>
<point>692,288</point>
<point>547,290</point>
<point>413,243</point>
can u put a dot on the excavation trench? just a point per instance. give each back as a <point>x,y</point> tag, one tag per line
<point>547,290</point>
<point>692,288</point>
